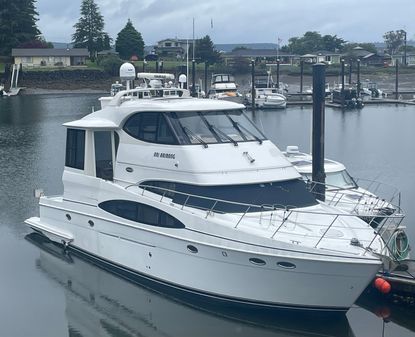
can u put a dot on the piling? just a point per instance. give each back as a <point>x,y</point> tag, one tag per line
<point>350,71</point>
<point>342,88</point>
<point>318,174</point>
<point>193,78</point>
<point>396,79</point>
<point>157,66</point>
<point>358,78</point>
<point>301,76</point>
<point>161,66</point>
<point>278,73</point>
<point>206,75</point>
<point>253,85</point>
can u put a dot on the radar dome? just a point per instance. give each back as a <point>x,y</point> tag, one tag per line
<point>182,78</point>
<point>127,72</point>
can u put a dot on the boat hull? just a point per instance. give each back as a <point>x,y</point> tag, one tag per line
<point>226,271</point>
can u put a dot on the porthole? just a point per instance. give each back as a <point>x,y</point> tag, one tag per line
<point>91,223</point>
<point>129,169</point>
<point>286,265</point>
<point>68,217</point>
<point>192,249</point>
<point>256,261</point>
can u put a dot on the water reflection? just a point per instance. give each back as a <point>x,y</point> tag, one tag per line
<point>101,304</point>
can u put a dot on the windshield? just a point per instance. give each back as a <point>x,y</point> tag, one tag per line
<point>214,127</point>
<point>340,179</point>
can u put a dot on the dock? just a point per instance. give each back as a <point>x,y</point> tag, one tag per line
<point>401,278</point>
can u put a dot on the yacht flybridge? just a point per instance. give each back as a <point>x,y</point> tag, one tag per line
<point>189,194</point>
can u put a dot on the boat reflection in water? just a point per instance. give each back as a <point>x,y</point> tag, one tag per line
<point>99,303</point>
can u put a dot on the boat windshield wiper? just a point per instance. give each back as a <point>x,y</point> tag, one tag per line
<point>189,133</point>
<point>239,127</point>
<point>215,130</point>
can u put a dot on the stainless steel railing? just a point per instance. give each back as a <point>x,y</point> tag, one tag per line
<point>277,215</point>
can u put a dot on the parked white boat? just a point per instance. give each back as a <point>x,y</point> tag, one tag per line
<point>189,194</point>
<point>267,95</point>
<point>223,87</point>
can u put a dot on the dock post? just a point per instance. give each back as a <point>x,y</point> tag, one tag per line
<point>301,77</point>
<point>396,79</point>
<point>161,66</point>
<point>318,174</point>
<point>193,78</point>
<point>253,85</point>
<point>157,66</point>
<point>350,71</point>
<point>278,73</point>
<point>342,88</point>
<point>358,78</point>
<point>206,75</point>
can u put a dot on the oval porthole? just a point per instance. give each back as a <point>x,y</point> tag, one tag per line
<point>256,261</point>
<point>68,217</point>
<point>286,265</point>
<point>192,249</point>
<point>91,223</point>
<point>129,169</point>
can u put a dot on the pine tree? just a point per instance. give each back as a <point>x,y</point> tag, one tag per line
<point>17,24</point>
<point>205,51</point>
<point>129,42</point>
<point>89,30</point>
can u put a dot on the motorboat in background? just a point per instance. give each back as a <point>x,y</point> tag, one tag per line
<point>189,194</point>
<point>267,94</point>
<point>224,87</point>
<point>347,97</point>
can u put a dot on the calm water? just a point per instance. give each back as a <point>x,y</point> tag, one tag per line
<point>44,294</point>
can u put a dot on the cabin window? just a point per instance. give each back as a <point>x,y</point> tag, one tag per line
<point>150,127</point>
<point>103,154</point>
<point>75,148</point>
<point>236,198</point>
<point>141,213</point>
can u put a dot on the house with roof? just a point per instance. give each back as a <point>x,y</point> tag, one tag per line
<point>176,48</point>
<point>368,58</point>
<point>410,59</point>
<point>50,57</point>
<point>260,55</point>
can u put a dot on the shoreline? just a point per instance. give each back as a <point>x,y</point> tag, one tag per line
<point>46,91</point>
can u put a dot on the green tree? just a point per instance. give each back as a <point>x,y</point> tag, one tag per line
<point>129,42</point>
<point>312,42</point>
<point>89,30</point>
<point>206,52</point>
<point>394,40</point>
<point>17,24</point>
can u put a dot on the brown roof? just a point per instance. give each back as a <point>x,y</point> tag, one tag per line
<point>49,52</point>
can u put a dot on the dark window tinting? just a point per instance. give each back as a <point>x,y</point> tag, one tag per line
<point>138,212</point>
<point>75,148</point>
<point>290,193</point>
<point>103,154</point>
<point>150,127</point>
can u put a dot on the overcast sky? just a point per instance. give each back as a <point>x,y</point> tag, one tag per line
<point>236,21</point>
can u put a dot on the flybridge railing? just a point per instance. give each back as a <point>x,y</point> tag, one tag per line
<point>148,93</point>
<point>274,215</point>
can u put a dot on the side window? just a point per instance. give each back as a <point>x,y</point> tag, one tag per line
<point>150,127</point>
<point>75,148</point>
<point>141,213</point>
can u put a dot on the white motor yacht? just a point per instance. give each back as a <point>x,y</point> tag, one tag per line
<point>223,87</point>
<point>189,194</point>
